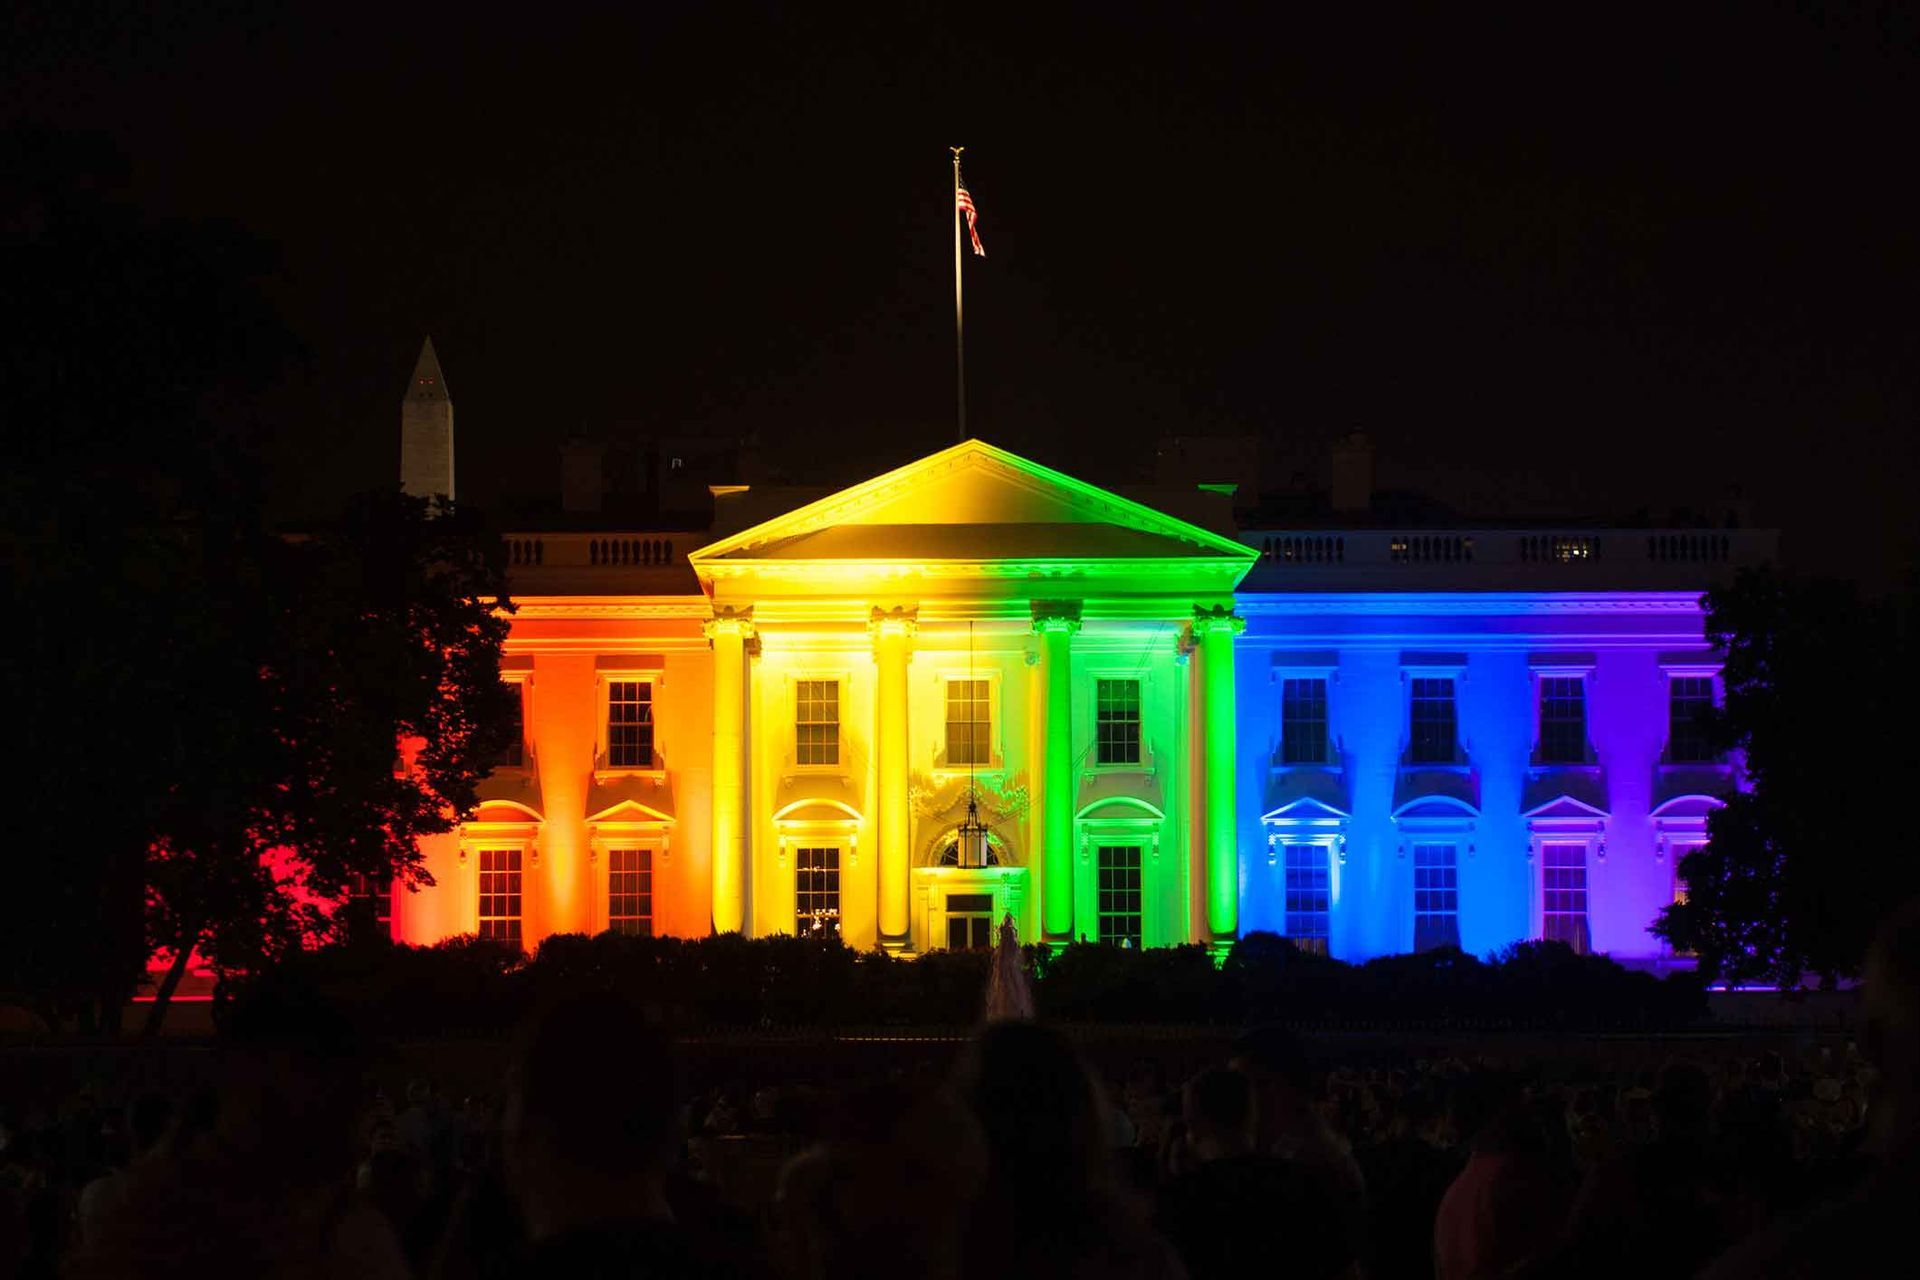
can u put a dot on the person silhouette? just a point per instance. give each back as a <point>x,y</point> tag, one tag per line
<point>1051,1205</point>
<point>588,1167</point>
<point>1858,1232</point>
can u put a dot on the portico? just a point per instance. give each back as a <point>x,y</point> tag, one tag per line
<point>973,624</point>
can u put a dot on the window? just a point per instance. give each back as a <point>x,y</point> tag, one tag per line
<point>1689,735</point>
<point>1563,720</point>
<point>969,723</point>
<point>1563,900</point>
<point>370,908</point>
<point>1432,729</point>
<point>1303,721</point>
<point>1308,897</point>
<point>513,754</point>
<point>816,722</point>
<point>1678,854</point>
<point>1436,897</point>
<point>969,922</point>
<point>950,856</point>
<point>816,890</point>
<point>500,895</point>
<point>630,891</point>
<point>1119,883</point>
<point>1116,721</point>
<point>630,724</point>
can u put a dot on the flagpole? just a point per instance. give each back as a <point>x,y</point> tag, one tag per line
<point>959,313</point>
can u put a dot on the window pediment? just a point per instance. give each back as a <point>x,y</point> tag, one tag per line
<point>1563,807</point>
<point>1431,808</point>
<point>817,810</point>
<point>1449,787</point>
<point>1306,811</point>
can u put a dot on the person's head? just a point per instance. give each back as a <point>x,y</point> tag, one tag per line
<point>578,1145</point>
<point>897,1153</point>
<point>1218,1110</point>
<point>1683,1100</point>
<point>1892,1037</point>
<point>1038,1109</point>
<point>148,1117</point>
<point>1274,1061</point>
<point>292,1083</point>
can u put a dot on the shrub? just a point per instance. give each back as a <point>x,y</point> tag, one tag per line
<point>465,986</point>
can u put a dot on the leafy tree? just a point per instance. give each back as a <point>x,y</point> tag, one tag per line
<point>1820,704</point>
<point>130,350</point>
<point>210,709</point>
<point>348,643</point>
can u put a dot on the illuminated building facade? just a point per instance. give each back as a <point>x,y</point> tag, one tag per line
<point>1172,730</point>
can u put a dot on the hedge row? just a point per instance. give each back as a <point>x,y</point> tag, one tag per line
<point>465,986</point>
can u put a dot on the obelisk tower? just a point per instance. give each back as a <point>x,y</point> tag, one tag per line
<point>426,431</point>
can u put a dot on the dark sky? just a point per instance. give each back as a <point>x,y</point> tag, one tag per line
<point>1587,257</point>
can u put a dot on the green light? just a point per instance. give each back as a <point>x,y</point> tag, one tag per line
<point>1056,624</point>
<point>1215,630</point>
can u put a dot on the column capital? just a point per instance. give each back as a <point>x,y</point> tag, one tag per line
<point>900,620</point>
<point>1214,619</point>
<point>729,621</point>
<point>1056,615</point>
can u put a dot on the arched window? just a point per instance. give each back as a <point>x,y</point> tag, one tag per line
<point>950,854</point>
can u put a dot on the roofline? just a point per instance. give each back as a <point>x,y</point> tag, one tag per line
<point>1154,520</point>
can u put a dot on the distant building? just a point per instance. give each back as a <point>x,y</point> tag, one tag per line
<point>1369,739</point>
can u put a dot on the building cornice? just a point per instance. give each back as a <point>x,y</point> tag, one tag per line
<point>1473,603</point>
<point>691,607</point>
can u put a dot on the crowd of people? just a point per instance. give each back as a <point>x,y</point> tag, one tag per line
<point>595,1157</point>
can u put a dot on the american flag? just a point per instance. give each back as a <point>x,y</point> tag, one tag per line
<point>965,199</point>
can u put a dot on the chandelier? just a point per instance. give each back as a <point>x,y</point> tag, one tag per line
<point>970,841</point>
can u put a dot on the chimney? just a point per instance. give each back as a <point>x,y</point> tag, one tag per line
<point>582,479</point>
<point>1353,474</point>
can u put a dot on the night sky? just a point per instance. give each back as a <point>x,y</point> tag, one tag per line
<point>1590,261</point>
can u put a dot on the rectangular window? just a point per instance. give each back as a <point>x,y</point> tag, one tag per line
<point>370,908</point>
<point>1563,720</point>
<point>630,891</point>
<point>513,755</point>
<point>630,724</point>
<point>1116,721</point>
<point>1303,722</point>
<point>1119,884</point>
<point>816,721</point>
<point>1433,733</point>
<point>816,891</point>
<point>1563,898</point>
<point>969,922</point>
<point>1309,896</point>
<point>1677,855</point>
<point>1689,702</point>
<point>969,723</point>
<point>500,895</point>
<point>1436,897</point>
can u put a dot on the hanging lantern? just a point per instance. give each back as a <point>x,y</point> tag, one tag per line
<point>970,841</point>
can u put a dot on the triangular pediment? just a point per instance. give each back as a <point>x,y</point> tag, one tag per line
<point>1565,808</point>
<point>973,502</point>
<point>1306,811</point>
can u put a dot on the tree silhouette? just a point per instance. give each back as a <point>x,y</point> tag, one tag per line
<point>207,709</point>
<point>1820,703</point>
<point>361,705</point>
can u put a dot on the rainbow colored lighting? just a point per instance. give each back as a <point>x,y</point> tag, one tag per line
<point>976,584</point>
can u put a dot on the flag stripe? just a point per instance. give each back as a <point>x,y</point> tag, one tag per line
<point>965,198</point>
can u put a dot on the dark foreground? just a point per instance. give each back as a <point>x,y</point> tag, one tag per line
<point>1124,1151</point>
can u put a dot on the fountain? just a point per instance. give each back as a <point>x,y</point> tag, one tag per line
<point>1009,998</point>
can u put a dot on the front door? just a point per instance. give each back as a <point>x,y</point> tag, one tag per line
<point>969,921</point>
